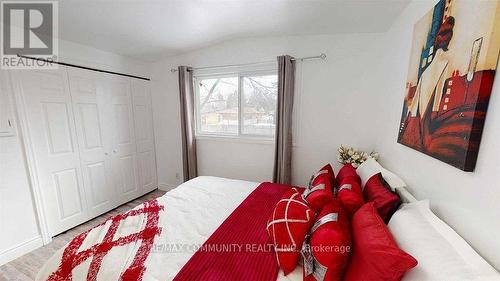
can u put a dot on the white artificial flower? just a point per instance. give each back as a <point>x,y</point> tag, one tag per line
<point>350,155</point>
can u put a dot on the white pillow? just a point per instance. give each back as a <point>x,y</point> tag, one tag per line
<point>441,253</point>
<point>371,167</point>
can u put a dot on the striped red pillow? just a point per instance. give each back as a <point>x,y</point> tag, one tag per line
<point>325,172</point>
<point>320,189</point>
<point>348,171</point>
<point>350,194</point>
<point>327,252</point>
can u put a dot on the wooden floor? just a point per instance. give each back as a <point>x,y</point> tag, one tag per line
<point>27,266</point>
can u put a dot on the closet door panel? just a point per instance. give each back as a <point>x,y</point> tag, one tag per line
<point>124,151</point>
<point>90,125</point>
<point>66,183</point>
<point>90,118</point>
<point>122,118</point>
<point>144,134</point>
<point>57,123</point>
<point>126,170</point>
<point>50,121</point>
<point>99,185</point>
<point>147,170</point>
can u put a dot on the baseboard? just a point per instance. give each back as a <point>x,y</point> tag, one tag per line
<point>166,186</point>
<point>21,249</point>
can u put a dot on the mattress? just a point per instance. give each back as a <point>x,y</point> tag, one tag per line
<point>193,211</point>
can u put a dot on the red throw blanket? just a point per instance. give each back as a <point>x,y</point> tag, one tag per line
<point>240,249</point>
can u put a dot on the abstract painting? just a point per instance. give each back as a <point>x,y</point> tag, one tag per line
<point>450,79</point>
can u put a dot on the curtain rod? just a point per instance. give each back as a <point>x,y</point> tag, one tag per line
<point>322,56</point>
<point>85,67</point>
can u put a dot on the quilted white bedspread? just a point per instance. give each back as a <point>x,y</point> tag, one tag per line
<point>191,213</point>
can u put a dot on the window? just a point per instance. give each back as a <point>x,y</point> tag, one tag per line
<point>236,105</point>
<point>217,101</point>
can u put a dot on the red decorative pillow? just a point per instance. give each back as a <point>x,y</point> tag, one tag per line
<point>351,195</point>
<point>327,253</point>
<point>326,171</point>
<point>348,171</point>
<point>379,192</point>
<point>288,227</point>
<point>319,194</point>
<point>375,256</point>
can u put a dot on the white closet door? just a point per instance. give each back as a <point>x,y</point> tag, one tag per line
<point>52,130</point>
<point>146,157</point>
<point>94,142</point>
<point>121,128</point>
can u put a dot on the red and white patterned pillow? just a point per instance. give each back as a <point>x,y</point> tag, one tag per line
<point>288,226</point>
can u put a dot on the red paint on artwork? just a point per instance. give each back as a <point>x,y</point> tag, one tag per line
<point>453,132</point>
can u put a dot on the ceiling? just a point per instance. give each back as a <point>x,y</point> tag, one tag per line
<point>151,29</point>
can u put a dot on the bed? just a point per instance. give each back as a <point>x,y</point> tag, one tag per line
<point>192,212</point>
<point>187,216</point>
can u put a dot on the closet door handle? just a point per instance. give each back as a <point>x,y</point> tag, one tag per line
<point>105,153</point>
<point>114,151</point>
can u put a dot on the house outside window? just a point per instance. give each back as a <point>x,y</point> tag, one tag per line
<point>236,104</point>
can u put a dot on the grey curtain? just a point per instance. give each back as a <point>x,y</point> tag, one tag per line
<point>284,110</point>
<point>189,163</point>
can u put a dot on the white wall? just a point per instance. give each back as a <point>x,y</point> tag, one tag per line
<point>354,98</point>
<point>334,104</point>
<point>19,230</point>
<point>469,202</point>
<point>227,158</point>
<point>75,53</point>
<point>18,222</point>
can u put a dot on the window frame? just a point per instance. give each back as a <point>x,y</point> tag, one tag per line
<point>239,75</point>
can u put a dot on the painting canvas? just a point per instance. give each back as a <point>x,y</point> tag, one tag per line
<point>452,67</point>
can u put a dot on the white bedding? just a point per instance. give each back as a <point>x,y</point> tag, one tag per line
<point>441,253</point>
<point>193,211</point>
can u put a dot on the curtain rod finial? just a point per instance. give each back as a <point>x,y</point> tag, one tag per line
<point>323,56</point>
<point>173,70</point>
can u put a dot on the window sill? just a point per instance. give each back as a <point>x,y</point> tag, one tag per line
<point>236,139</point>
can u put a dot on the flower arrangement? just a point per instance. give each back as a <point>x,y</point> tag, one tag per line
<point>353,156</point>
